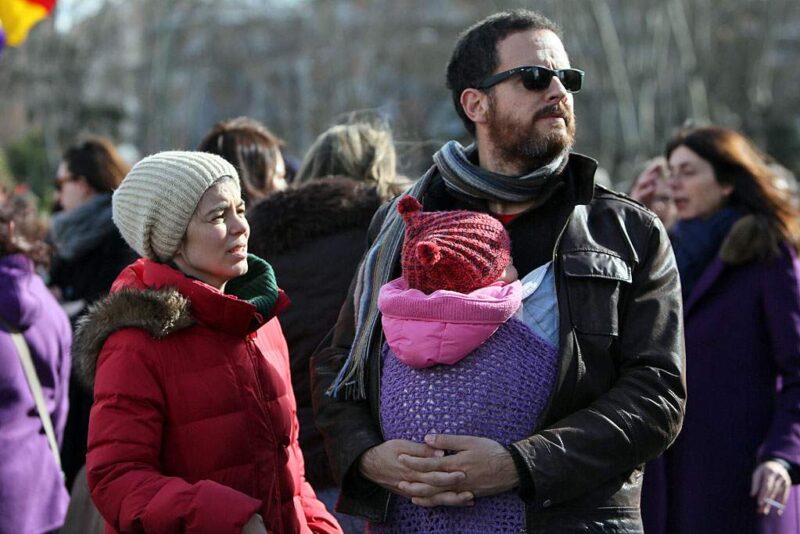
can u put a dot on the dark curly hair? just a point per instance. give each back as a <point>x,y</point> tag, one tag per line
<point>475,55</point>
<point>96,159</point>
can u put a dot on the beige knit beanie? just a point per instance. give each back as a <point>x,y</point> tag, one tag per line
<point>156,200</point>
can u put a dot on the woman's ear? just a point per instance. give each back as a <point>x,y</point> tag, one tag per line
<point>727,189</point>
<point>179,251</point>
<point>85,187</point>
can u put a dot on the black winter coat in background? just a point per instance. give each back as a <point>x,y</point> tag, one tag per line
<point>86,278</point>
<point>314,237</point>
<point>89,277</point>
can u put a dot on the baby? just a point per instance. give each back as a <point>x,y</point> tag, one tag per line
<point>459,358</point>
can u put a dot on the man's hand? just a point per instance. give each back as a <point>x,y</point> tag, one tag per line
<point>381,464</point>
<point>487,466</point>
<point>770,486</point>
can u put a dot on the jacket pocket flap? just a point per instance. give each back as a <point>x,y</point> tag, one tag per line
<point>592,264</point>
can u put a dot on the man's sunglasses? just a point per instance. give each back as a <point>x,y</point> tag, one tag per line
<point>537,78</point>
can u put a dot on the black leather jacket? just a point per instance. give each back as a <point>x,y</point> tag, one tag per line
<point>620,392</point>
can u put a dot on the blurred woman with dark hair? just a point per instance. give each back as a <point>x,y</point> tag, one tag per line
<point>88,255</point>
<point>89,252</point>
<point>254,151</point>
<point>736,240</point>
<point>33,329</point>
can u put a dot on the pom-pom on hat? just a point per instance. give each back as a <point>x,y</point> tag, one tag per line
<point>156,200</point>
<point>455,250</point>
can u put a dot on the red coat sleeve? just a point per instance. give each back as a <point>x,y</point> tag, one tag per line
<point>122,462</point>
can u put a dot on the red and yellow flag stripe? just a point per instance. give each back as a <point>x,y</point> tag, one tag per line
<point>17,17</point>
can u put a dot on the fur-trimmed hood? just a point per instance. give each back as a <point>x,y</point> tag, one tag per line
<point>160,312</point>
<point>286,220</point>
<point>751,238</point>
<point>161,300</point>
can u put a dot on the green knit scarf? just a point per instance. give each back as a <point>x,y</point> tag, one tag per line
<point>258,286</point>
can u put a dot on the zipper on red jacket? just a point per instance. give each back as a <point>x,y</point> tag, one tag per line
<point>254,362</point>
<point>253,353</point>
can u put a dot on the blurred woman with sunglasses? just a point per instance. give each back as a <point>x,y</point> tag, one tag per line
<point>736,240</point>
<point>89,253</point>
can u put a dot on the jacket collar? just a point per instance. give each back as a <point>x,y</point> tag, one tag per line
<point>704,283</point>
<point>751,239</point>
<point>581,171</point>
<point>159,300</point>
<point>209,306</point>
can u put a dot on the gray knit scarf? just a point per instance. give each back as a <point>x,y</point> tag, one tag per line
<point>78,231</point>
<point>452,163</point>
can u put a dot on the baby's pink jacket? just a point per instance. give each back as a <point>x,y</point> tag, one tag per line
<point>443,327</point>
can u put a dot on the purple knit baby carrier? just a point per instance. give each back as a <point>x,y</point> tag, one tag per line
<point>498,391</point>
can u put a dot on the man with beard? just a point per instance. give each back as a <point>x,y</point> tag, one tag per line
<point>599,284</point>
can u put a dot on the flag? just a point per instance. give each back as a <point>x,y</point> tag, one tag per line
<point>2,38</point>
<point>17,17</point>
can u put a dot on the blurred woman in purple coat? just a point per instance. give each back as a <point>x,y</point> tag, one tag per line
<point>33,497</point>
<point>733,466</point>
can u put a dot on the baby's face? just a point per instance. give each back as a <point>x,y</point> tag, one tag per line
<point>509,274</point>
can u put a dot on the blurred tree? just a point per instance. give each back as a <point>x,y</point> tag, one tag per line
<point>27,162</point>
<point>158,73</point>
<point>6,178</point>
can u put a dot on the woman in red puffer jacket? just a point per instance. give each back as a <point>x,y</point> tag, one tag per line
<point>193,427</point>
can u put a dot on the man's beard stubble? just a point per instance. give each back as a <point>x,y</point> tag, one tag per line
<point>520,146</point>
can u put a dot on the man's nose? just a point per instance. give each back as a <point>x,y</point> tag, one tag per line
<point>556,91</point>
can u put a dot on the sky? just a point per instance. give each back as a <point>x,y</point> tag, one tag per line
<point>69,12</point>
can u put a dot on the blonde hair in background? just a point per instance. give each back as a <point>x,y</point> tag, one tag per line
<point>361,151</point>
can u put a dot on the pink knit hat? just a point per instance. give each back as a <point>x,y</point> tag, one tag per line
<point>455,250</point>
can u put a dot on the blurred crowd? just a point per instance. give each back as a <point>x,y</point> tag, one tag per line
<point>731,213</point>
<point>297,210</point>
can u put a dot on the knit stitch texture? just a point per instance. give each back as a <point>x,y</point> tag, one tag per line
<point>498,391</point>
<point>156,200</point>
<point>455,250</point>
